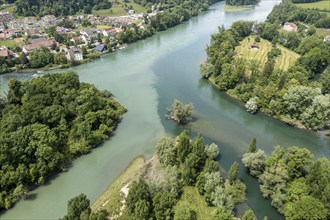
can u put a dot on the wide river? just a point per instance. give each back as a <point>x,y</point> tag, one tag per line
<point>146,77</point>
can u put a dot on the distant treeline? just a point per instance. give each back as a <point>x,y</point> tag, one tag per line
<point>58,7</point>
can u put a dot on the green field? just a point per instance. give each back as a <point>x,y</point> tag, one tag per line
<point>283,62</point>
<point>118,10</point>
<point>197,203</point>
<point>321,5</point>
<point>12,43</point>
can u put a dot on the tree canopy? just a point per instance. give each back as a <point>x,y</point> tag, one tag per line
<point>45,123</point>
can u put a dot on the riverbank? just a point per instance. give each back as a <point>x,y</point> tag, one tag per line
<point>112,199</point>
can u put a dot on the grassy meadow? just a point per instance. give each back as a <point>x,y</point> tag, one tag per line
<point>283,62</point>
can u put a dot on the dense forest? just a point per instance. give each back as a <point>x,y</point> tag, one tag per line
<point>241,2</point>
<point>58,8</point>
<point>298,187</point>
<point>46,123</point>
<point>297,95</point>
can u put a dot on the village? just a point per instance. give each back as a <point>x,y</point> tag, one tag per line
<point>70,40</point>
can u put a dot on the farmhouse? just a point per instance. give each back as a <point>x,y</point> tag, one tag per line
<point>37,45</point>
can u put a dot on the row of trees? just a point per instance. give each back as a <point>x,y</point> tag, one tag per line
<point>299,188</point>
<point>46,123</point>
<point>58,8</point>
<point>275,91</point>
<point>185,162</point>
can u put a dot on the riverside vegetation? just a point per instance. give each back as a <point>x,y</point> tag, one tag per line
<point>183,172</point>
<point>297,93</point>
<point>298,187</point>
<point>45,124</point>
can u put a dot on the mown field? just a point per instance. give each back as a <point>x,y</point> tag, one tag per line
<point>321,5</point>
<point>283,62</point>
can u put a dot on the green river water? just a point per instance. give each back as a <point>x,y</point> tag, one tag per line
<point>146,77</point>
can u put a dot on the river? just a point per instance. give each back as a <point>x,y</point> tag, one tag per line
<point>146,77</point>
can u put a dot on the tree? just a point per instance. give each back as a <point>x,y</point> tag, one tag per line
<point>139,192</point>
<point>166,151</point>
<point>221,213</point>
<point>60,58</point>
<point>206,70</point>
<point>253,146</point>
<point>325,81</point>
<point>212,151</point>
<point>255,162</point>
<point>163,205</point>
<point>249,215</point>
<point>252,105</point>
<point>182,211</point>
<point>183,146</point>
<point>77,206</point>
<point>180,113</point>
<point>298,161</point>
<point>233,172</point>
<point>220,199</point>
<point>306,208</point>
<point>236,191</point>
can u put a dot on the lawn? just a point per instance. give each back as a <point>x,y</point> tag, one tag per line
<point>11,43</point>
<point>197,203</point>
<point>118,10</point>
<point>111,199</point>
<point>321,5</point>
<point>283,62</point>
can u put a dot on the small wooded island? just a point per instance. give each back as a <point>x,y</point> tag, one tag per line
<point>47,122</point>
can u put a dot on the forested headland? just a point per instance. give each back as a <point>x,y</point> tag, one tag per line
<point>47,122</point>
<point>297,92</point>
<point>182,181</point>
<point>298,186</point>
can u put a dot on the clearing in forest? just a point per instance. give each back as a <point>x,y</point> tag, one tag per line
<point>259,53</point>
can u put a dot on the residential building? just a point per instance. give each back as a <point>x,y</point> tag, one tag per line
<point>32,31</point>
<point>38,45</point>
<point>4,52</point>
<point>30,20</point>
<point>111,31</point>
<point>75,54</point>
<point>50,19</point>
<point>100,48</point>
<point>5,36</point>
